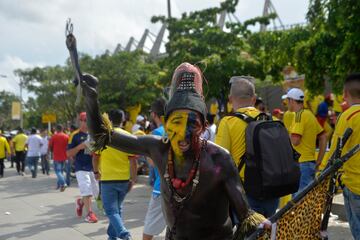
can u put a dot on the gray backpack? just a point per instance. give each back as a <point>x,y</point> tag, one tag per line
<point>271,168</point>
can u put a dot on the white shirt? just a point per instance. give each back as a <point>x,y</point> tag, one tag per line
<point>44,147</point>
<point>34,143</point>
<point>209,133</point>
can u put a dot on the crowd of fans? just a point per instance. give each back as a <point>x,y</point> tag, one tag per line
<point>110,174</point>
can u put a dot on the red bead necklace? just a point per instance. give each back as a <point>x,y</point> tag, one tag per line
<point>177,183</point>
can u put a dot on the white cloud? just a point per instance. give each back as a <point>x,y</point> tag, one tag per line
<point>10,82</point>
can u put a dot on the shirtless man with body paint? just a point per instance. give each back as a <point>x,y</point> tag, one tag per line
<point>199,181</point>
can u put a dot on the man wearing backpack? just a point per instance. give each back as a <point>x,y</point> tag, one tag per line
<point>304,131</point>
<point>231,134</point>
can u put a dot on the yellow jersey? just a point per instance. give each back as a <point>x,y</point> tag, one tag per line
<point>231,134</point>
<point>19,142</point>
<point>351,169</point>
<point>288,119</point>
<point>114,164</point>
<point>306,125</point>
<point>4,147</point>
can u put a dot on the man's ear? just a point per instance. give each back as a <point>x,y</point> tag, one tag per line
<point>345,94</point>
<point>230,99</point>
<point>253,100</point>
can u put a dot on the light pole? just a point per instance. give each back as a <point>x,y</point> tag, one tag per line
<point>21,112</point>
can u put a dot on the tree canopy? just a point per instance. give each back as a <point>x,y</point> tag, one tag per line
<point>125,79</point>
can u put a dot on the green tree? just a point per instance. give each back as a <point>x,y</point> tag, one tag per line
<point>54,92</point>
<point>196,38</point>
<point>125,79</point>
<point>332,50</point>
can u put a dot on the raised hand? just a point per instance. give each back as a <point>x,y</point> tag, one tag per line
<point>89,84</point>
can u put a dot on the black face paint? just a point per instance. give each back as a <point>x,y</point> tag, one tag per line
<point>190,126</point>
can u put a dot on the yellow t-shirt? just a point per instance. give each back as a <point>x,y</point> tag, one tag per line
<point>4,147</point>
<point>288,119</point>
<point>231,134</point>
<point>351,169</point>
<point>19,141</point>
<point>338,100</point>
<point>114,164</point>
<point>306,125</point>
<point>312,103</point>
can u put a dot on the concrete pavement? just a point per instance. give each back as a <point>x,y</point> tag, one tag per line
<point>33,209</point>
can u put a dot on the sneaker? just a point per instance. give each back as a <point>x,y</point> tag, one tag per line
<point>91,218</point>
<point>79,207</point>
<point>127,238</point>
<point>62,188</point>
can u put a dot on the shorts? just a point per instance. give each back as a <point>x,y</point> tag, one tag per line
<point>87,183</point>
<point>154,219</point>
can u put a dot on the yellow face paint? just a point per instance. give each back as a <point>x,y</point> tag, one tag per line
<point>176,130</point>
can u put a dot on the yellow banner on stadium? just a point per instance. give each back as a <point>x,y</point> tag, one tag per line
<point>16,111</point>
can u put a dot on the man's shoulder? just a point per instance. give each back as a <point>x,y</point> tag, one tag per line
<point>353,111</point>
<point>75,135</point>
<point>302,115</point>
<point>219,155</point>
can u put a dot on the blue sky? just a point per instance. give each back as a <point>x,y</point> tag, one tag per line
<point>33,31</point>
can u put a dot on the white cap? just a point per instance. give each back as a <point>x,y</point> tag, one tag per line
<point>296,94</point>
<point>140,118</point>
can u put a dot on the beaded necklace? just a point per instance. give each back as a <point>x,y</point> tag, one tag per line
<point>176,182</point>
<point>171,181</point>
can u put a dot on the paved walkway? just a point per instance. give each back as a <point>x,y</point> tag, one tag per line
<point>33,209</point>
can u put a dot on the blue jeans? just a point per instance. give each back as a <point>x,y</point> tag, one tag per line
<point>307,170</point>
<point>59,168</point>
<point>113,195</point>
<point>67,171</point>
<point>352,209</point>
<point>265,207</point>
<point>32,163</point>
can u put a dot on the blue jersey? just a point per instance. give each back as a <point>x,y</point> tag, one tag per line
<point>83,159</point>
<point>323,110</point>
<point>160,131</point>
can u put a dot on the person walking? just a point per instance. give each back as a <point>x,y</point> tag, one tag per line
<point>58,146</point>
<point>154,219</point>
<point>4,152</point>
<point>231,134</point>
<point>304,131</point>
<point>117,174</point>
<point>350,178</point>
<point>44,152</point>
<point>88,186</point>
<point>19,142</point>
<point>33,144</point>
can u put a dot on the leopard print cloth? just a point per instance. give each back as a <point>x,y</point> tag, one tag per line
<point>303,220</point>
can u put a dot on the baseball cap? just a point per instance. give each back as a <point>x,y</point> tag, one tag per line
<point>277,111</point>
<point>296,94</point>
<point>82,116</point>
<point>140,118</point>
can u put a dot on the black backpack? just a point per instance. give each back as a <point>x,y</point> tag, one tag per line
<point>271,168</point>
